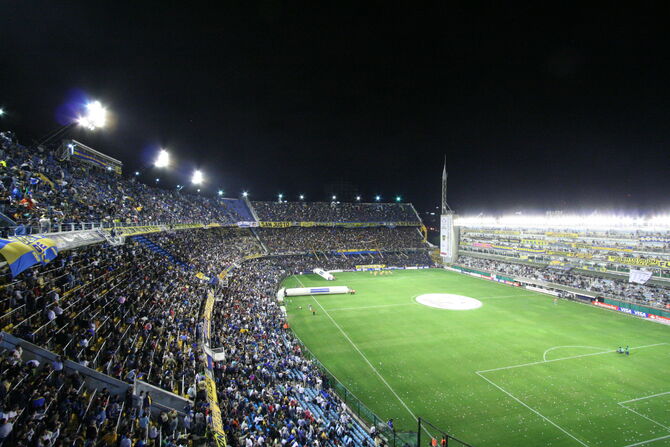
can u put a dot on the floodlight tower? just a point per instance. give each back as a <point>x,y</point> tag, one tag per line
<point>94,118</point>
<point>448,233</point>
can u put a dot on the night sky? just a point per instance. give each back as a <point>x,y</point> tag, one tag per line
<point>534,109</point>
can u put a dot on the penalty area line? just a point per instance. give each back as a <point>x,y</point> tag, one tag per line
<point>648,441</point>
<point>532,409</point>
<point>564,358</point>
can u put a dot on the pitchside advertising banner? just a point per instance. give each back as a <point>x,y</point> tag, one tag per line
<point>637,313</point>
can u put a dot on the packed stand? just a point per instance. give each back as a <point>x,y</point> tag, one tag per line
<point>270,394</point>
<point>297,239</point>
<point>649,294</point>
<point>121,310</point>
<point>42,405</point>
<point>209,250</point>
<point>41,192</point>
<point>334,212</point>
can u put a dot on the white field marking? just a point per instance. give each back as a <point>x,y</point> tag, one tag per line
<point>647,418</point>
<point>371,307</point>
<point>533,410</point>
<point>648,441</point>
<point>365,358</point>
<point>544,356</point>
<point>565,358</point>
<point>645,397</point>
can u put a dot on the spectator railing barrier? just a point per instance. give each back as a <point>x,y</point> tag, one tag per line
<point>358,408</point>
<point>162,399</point>
<point>210,384</point>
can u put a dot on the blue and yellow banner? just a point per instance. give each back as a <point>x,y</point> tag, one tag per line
<point>22,252</point>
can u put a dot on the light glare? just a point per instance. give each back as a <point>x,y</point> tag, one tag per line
<point>163,159</point>
<point>96,116</point>
<point>197,177</point>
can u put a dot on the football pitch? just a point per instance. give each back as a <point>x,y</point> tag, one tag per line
<point>520,370</point>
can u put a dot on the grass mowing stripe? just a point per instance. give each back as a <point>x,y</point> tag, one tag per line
<point>533,410</point>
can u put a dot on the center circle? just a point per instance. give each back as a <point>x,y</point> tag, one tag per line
<point>448,301</point>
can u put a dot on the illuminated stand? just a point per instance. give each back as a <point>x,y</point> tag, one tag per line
<point>448,232</point>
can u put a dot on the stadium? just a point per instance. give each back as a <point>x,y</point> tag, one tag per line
<point>234,319</point>
<point>279,225</point>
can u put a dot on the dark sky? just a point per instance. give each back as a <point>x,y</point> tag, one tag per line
<point>535,109</point>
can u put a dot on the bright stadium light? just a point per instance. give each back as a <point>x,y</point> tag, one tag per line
<point>163,159</point>
<point>567,221</point>
<point>2,111</point>
<point>220,192</point>
<point>378,198</point>
<point>245,194</point>
<point>302,197</point>
<point>358,198</point>
<point>398,198</point>
<point>334,198</point>
<point>158,180</point>
<point>96,116</point>
<point>198,189</point>
<point>197,177</point>
<point>137,173</point>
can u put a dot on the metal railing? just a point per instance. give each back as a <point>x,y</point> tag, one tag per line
<point>52,228</point>
<point>358,408</point>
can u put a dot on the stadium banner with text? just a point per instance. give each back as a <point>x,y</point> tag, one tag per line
<point>554,234</point>
<point>274,224</point>
<point>518,249</point>
<point>644,262</point>
<point>535,241</point>
<point>370,267</point>
<point>658,239</point>
<point>632,309</point>
<point>570,254</point>
<point>596,247</point>
<point>354,251</point>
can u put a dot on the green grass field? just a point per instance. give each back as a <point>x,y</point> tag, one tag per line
<point>518,371</point>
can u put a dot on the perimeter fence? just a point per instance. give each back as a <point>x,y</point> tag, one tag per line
<point>428,435</point>
<point>393,438</point>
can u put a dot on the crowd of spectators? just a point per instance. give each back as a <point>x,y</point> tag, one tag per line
<point>42,405</point>
<point>270,393</point>
<point>297,239</point>
<point>209,250</point>
<point>38,190</point>
<point>128,312</point>
<point>649,294</point>
<point>334,212</point>
<point>123,310</point>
